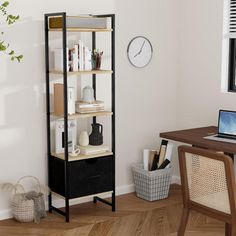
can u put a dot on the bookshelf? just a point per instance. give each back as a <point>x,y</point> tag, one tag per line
<point>84,175</point>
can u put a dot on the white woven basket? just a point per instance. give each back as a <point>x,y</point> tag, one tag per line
<point>22,208</point>
<point>151,185</point>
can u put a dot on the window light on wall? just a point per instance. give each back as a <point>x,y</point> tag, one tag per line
<point>229,47</point>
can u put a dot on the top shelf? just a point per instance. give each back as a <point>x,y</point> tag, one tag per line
<point>80,24</point>
<point>80,30</point>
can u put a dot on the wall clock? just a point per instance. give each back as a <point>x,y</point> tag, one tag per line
<point>139,51</point>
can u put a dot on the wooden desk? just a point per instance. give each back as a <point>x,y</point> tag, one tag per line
<point>195,138</point>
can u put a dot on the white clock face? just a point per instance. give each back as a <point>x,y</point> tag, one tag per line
<point>139,51</point>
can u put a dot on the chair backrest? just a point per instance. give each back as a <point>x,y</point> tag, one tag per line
<point>207,179</point>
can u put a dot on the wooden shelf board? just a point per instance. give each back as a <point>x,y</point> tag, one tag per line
<point>86,115</point>
<point>82,157</point>
<point>80,30</point>
<point>84,197</point>
<point>82,72</point>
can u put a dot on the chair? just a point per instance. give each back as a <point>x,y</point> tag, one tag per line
<point>208,186</point>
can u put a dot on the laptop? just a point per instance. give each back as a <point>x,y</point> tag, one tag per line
<point>226,127</point>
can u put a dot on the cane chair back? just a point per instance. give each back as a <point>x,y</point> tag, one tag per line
<point>208,185</point>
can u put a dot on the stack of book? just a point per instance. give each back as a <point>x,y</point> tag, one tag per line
<point>85,107</point>
<point>90,150</point>
<point>79,57</point>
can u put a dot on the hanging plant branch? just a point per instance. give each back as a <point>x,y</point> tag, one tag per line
<point>9,19</point>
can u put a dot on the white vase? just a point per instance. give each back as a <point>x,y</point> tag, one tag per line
<point>88,94</point>
<point>83,138</point>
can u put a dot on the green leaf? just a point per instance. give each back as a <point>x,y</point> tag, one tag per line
<point>19,58</point>
<point>5,4</point>
<point>2,47</point>
<point>11,52</point>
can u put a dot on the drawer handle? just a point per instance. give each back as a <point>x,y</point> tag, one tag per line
<point>94,177</point>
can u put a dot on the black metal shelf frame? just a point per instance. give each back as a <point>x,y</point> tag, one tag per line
<point>66,213</point>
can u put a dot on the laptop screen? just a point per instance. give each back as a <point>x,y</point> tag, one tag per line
<point>227,122</point>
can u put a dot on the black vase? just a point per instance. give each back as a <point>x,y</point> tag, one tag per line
<point>96,137</point>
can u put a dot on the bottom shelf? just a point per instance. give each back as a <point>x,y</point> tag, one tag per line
<point>81,157</point>
<point>85,198</point>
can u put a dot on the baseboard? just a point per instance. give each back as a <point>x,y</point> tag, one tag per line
<point>176,180</point>
<point>124,189</point>
<point>119,191</point>
<point>5,214</point>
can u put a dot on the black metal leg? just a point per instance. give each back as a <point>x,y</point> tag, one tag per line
<point>67,210</point>
<point>50,203</point>
<point>113,201</point>
<point>94,200</point>
<point>101,200</point>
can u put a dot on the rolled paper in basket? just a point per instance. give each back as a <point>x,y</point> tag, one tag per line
<point>146,153</point>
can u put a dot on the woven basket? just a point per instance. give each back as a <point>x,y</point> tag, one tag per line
<point>151,185</point>
<point>22,208</point>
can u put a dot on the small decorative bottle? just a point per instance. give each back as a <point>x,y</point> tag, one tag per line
<point>83,138</point>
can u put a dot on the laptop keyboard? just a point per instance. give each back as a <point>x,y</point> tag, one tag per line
<point>224,136</point>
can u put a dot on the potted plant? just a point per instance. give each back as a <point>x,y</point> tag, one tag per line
<point>8,19</point>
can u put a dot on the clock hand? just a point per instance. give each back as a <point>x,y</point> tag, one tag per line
<point>140,49</point>
<point>137,54</point>
<point>142,46</point>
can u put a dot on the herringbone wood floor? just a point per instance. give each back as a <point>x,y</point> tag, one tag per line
<point>134,216</point>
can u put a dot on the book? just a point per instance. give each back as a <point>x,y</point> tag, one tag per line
<point>89,150</point>
<point>162,151</point>
<point>71,100</point>
<point>155,162</point>
<point>76,58</point>
<point>81,56</point>
<point>169,150</point>
<point>87,59</point>
<point>152,154</point>
<point>96,103</point>
<point>84,107</point>
<point>164,164</point>
<point>59,99</point>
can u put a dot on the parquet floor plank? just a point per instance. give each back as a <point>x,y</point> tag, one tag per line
<point>134,217</point>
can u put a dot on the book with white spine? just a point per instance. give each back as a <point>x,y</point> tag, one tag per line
<point>81,55</point>
<point>75,58</point>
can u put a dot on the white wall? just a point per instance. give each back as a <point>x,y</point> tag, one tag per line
<point>199,95</point>
<point>199,83</point>
<point>146,98</point>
